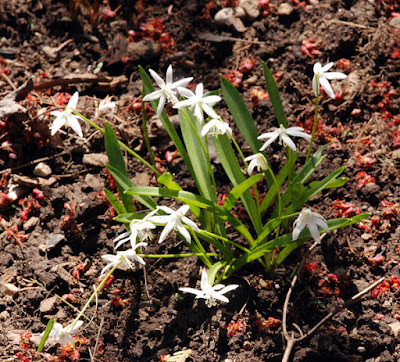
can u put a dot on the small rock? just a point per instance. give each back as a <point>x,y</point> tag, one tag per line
<point>31,223</point>
<point>94,181</point>
<point>396,153</point>
<point>4,315</point>
<point>366,236</point>
<point>237,24</point>
<point>361,349</point>
<point>370,188</point>
<point>95,159</point>
<point>247,346</point>
<point>36,339</point>
<point>224,14</point>
<point>395,22</point>
<point>360,285</point>
<point>8,289</point>
<point>143,49</point>
<point>251,7</point>
<point>285,9</point>
<point>141,179</point>
<point>48,305</point>
<point>54,240</point>
<point>395,327</point>
<point>14,336</point>
<point>42,170</point>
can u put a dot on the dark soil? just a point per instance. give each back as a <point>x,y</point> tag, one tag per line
<point>40,253</point>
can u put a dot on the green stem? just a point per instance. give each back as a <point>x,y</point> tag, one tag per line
<point>165,256</point>
<point>225,240</point>
<point>315,120</point>
<point>97,290</point>
<point>146,133</point>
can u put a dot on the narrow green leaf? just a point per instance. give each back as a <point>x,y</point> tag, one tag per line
<point>126,183</point>
<point>274,96</point>
<point>240,114</point>
<point>117,161</point>
<point>45,335</point>
<point>334,184</point>
<point>148,87</point>
<point>212,272</point>
<point>238,190</point>
<point>233,170</point>
<point>114,201</point>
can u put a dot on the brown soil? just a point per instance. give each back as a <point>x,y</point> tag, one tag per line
<point>362,120</point>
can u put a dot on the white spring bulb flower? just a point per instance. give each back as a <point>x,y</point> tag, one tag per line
<point>63,335</point>
<point>123,259</point>
<point>198,102</point>
<point>283,134</point>
<point>210,293</point>
<point>256,161</point>
<point>320,73</point>
<point>67,117</point>
<point>216,127</point>
<point>312,220</point>
<point>167,91</point>
<point>139,229</point>
<point>173,221</point>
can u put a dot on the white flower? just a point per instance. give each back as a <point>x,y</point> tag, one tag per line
<point>323,78</point>
<point>63,335</point>
<point>312,220</point>
<point>216,127</point>
<point>258,160</point>
<point>210,293</point>
<point>67,117</point>
<point>173,221</point>
<point>198,102</point>
<point>139,229</point>
<point>123,259</point>
<point>167,89</point>
<point>283,134</point>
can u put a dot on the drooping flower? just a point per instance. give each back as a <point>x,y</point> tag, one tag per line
<point>198,101</point>
<point>139,229</point>
<point>173,221</point>
<point>216,127</point>
<point>167,91</point>
<point>320,73</point>
<point>67,117</point>
<point>210,293</point>
<point>258,160</point>
<point>63,335</point>
<point>312,220</point>
<point>123,259</point>
<point>283,134</point>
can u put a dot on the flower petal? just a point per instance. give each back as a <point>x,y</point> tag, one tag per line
<point>314,231</point>
<point>75,125</point>
<point>169,75</point>
<point>185,233</point>
<point>73,102</point>
<point>317,67</point>
<point>326,67</point>
<point>327,87</point>
<point>167,229</point>
<point>160,82</point>
<point>335,75</point>
<point>181,83</point>
<point>58,123</point>
<point>161,104</point>
<point>153,95</point>
<point>288,142</point>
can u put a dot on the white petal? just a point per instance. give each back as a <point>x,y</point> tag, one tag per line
<point>190,223</point>
<point>66,338</point>
<point>181,83</point>
<point>58,123</point>
<point>198,113</point>
<point>56,113</point>
<point>211,100</point>
<point>186,92</point>
<point>327,87</point>
<point>167,229</point>
<point>206,129</point>
<point>73,100</point>
<point>181,104</point>
<point>204,280</point>
<point>76,326</point>
<point>184,233</point>
<point>250,158</point>
<point>314,231</point>
<point>288,142</point>
<point>199,90</point>
<point>140,259</point>
<point>269,134</point>
<point>266,144</point>
<point>317,67</point>
<point>251,167</point>
<point>321,223</point>
<point>153,95</point>
<point>166,209</point>
<point>160,82</point>
<point>183,209</point>
<point>209,111</point>
<point>161,104</point>
<point>220,297</point>
<point>193,291</point>
<point>169,75</point>
<point>297,230</point>
<point>335,75</point>
<point>326,67</point>
<point>75,125</point>
<point>228,288</point>
<point>315,86</point>
<point>297,133</point>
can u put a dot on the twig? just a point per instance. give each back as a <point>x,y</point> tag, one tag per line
<point>291,340</point>
<point>97,341</point>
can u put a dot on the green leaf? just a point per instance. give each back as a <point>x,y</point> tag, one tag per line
<point>212,272</point>
<point>287,239</point>
<point>114,201</point>
<point>274,96</point>
<point>128,217</point>
<point>196,200</point>
<point>240,114</point>
<point>238,190</point>
<point>126,183</point>
<point>117,161</point>
<point>334,184</point>
<point>148,87</point>
<point>45,335</point>
<point>234,172</point>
